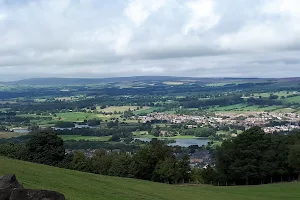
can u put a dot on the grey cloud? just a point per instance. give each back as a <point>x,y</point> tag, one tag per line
<point>96,38</point>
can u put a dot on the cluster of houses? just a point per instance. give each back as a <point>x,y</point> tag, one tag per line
<point>246,120</point>
<point>284,128</point>
<point>201,159</point>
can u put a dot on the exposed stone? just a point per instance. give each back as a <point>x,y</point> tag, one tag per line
<point>7,184</point>
<point>11,189</point>
<point>28,194</point>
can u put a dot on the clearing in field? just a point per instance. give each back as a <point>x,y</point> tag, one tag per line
<point>86,186</point>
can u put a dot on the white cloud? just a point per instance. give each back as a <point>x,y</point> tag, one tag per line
<point>202,15</point>
<point>97,38</point>
<point>139,10</point>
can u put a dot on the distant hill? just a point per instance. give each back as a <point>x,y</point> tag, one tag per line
<point>85,81</point>
<point>85,186</point>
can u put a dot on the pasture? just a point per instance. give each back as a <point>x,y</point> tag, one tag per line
<point>267,94</point>
<point>75,116</point>
<point>295,99</point>
<point>242,108</point>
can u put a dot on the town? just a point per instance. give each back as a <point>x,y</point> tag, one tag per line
<point>248,119</point>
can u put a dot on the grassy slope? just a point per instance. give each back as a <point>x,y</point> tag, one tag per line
<point>84,186</point>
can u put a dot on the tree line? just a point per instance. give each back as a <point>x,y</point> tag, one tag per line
<point>254,157</point>
<point>154,161</point>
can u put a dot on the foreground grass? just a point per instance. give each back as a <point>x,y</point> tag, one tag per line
<point>84,186</point>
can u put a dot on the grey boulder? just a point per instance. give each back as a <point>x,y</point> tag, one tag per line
<point>28,194</point>
<point>7,184</point>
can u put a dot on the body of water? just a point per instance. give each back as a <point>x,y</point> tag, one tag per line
<point>180,142</point>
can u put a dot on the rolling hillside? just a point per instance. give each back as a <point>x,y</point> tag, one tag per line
<point>84,186</point>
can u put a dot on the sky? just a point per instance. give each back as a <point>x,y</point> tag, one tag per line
<point>117,38</point>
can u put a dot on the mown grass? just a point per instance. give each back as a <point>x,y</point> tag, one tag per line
<point>89,138</point>
<point>84,186</point>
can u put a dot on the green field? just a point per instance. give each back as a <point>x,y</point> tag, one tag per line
<point>295,99</point>
<point>75,116</point>
<point>146,111</point>
<point>85,186</point>
<point>118,108</point>
<point>267,94</point>
<point>80,137</point>
<point>245,108</point>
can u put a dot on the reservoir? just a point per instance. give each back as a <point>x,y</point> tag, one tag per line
<point>181,142</point>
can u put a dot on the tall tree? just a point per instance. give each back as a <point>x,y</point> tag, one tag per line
<point>46,148</point>
<point>244,158</point>
<point>294,158</point>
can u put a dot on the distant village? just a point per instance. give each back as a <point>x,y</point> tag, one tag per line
<point>247,120</point>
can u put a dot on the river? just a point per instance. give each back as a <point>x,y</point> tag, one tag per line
<point>181,142</point>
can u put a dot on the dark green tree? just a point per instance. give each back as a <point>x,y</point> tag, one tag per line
<point>246,158</point>
<point>46,148</point>
<point>294,158</point>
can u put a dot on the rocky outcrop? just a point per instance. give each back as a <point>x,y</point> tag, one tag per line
<point>27,194</point>
<point>11,189</point>
<point>7,184</point>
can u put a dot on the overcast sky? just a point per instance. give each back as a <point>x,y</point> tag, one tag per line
<point>112,38</point>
